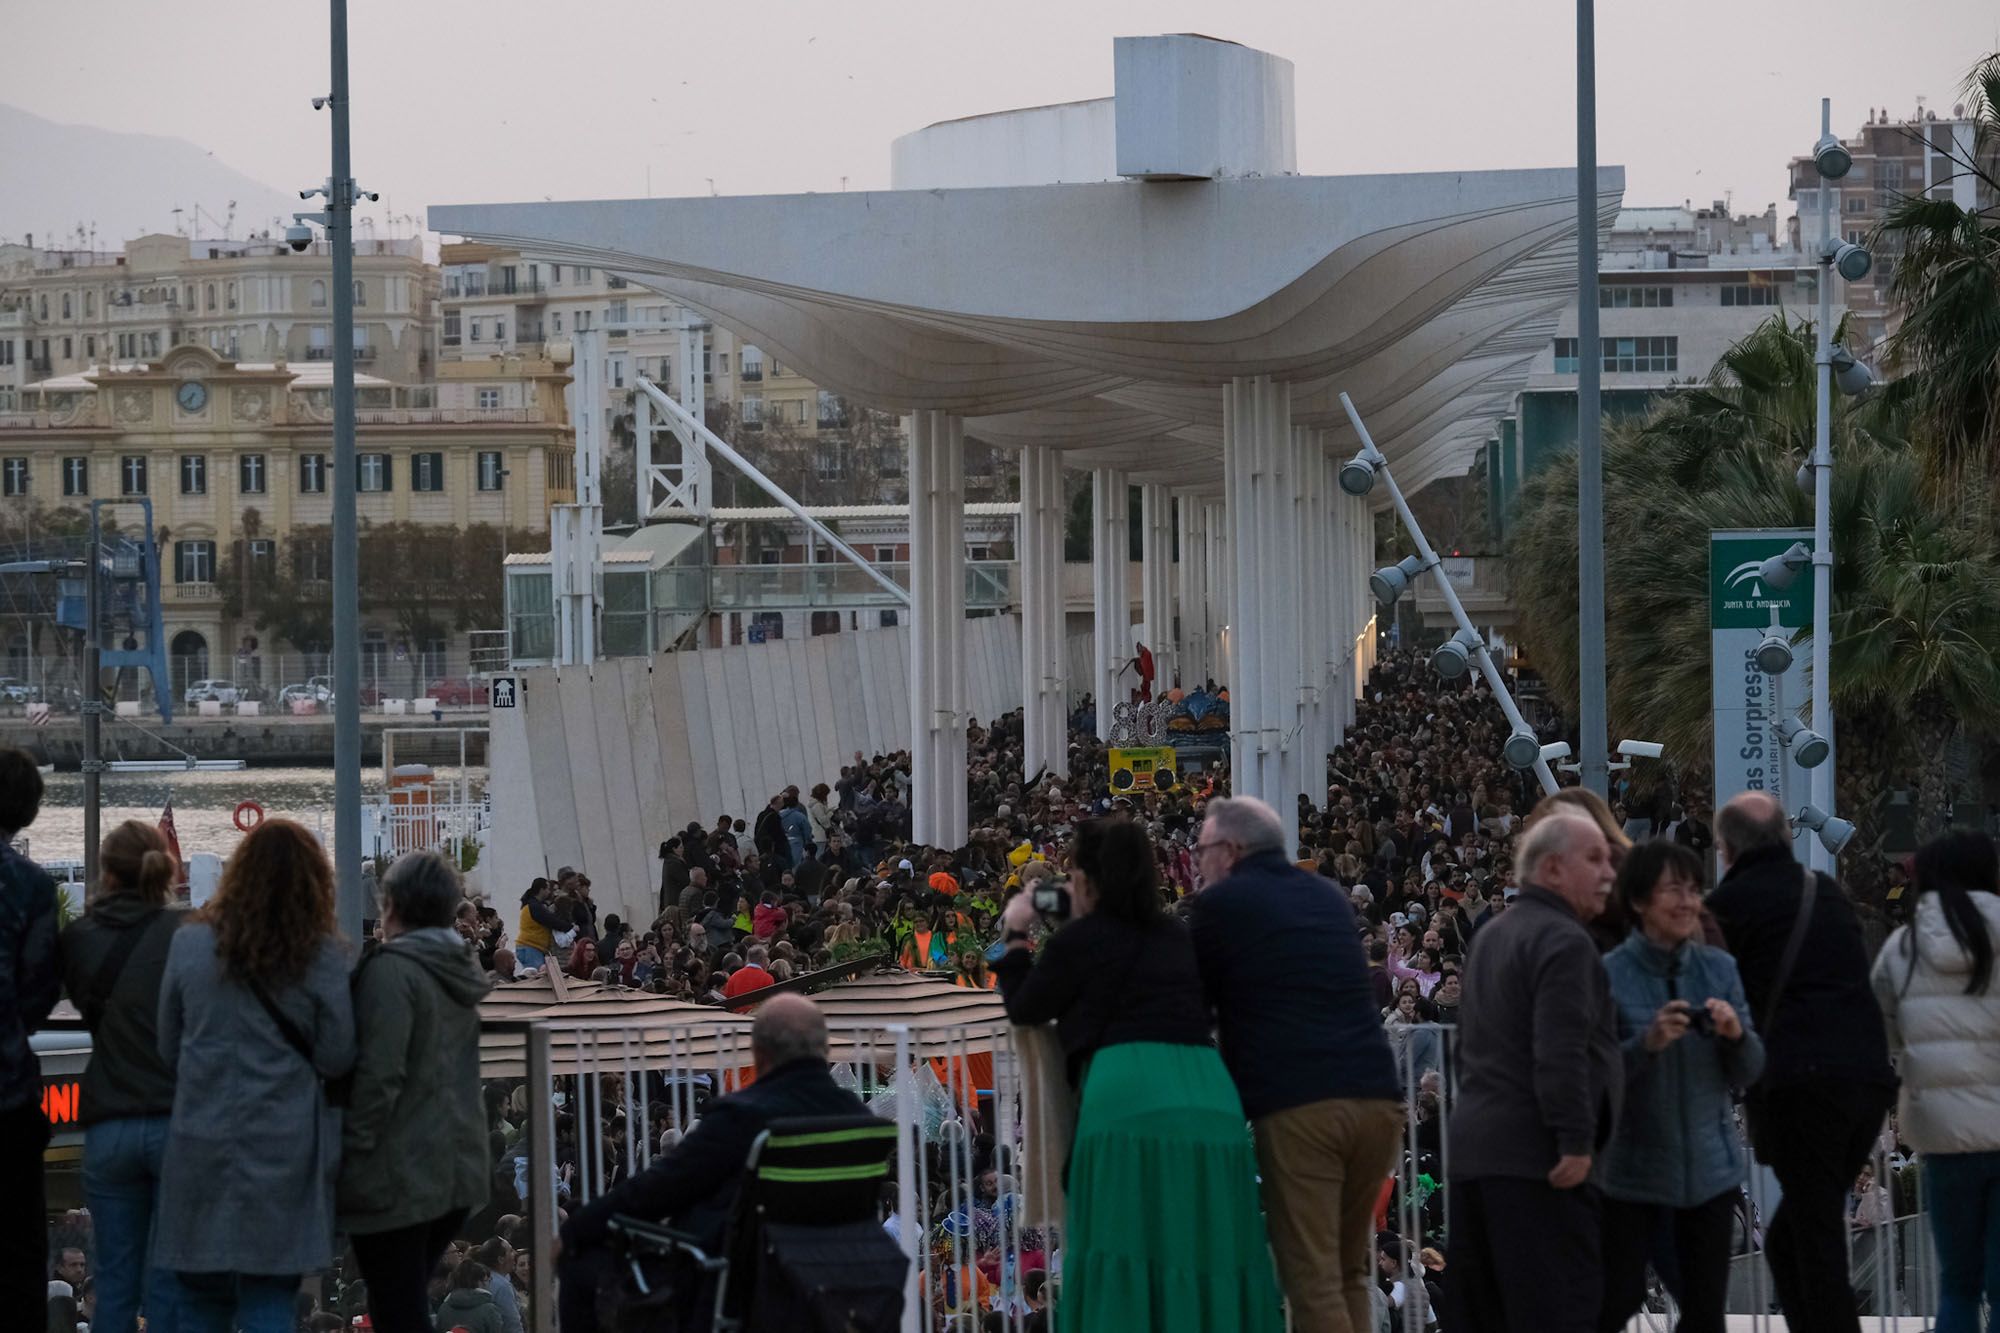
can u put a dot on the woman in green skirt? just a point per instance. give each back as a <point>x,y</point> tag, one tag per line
<point>1163,1231</point>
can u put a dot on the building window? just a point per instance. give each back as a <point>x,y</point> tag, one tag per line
<point>374,472</point>
<point>1753,293</point>
<point>1566,356</point>
<point>319,343</point>
<point>1856,203</point>
<point>208,294</point>
<point>132,469</point>
<point>476,332</point>
<point>617,372</point>
<point>426,472</point>
<point>318,297</point>
<point>250,474</point>
<point>499,330</point>
<point>194,562</point>
<point>66,308</point>
<point>6,351</point>
<point>261,557</point>
<point>229,295</point>
<point>753,363</point>
<point>312,474</point>
<point>752,411</point>
<point>360,293</point>
<point>194,474</point>
<point>90,303</point>
<point>1641,356</point>
<point>827,461</point>
<point>76,476</point>
<point>492,471</point>
<point>451,329</point>
<point>15,474</point>
<point>489,398</point>
<point>885,555</point>
<point>1633,298</point>
<point>90,345</point>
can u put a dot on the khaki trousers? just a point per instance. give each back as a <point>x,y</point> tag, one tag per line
<point>1323,1166</point>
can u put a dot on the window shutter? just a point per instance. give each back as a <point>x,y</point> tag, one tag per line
<point>388,473</point>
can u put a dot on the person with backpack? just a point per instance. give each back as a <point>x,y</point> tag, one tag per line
<point>468,1306</point>
<point>113,961</point>
<point>413,1160</point>
<point>1934,979</point>
<point>254,1019</point>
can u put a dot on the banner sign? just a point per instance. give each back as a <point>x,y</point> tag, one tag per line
<point>1748,703</point>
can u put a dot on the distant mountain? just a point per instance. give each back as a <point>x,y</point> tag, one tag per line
<point>59,176</point>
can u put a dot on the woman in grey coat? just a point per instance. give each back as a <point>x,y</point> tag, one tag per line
<point>1674,1168</point>
<point>254,1014</point>
<point>414,1161</point>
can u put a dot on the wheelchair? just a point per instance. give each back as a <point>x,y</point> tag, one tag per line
<point>803,1251</point>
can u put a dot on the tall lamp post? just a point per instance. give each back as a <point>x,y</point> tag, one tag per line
<point>1831,162</point>
<point>338,219</point>
<point>1592,729</point>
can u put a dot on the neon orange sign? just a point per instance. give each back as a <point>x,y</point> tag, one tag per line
<point>62,1103</point>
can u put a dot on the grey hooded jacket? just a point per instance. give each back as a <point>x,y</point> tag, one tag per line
<point>413,1145</point>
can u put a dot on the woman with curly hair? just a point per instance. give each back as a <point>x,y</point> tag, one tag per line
<point>254,1015</point>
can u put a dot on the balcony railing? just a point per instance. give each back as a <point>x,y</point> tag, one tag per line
<point>751,374</point>
<point>191,591</point>
<point>319,354</point>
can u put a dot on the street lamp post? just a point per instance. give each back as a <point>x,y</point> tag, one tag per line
<point>1593,729</point>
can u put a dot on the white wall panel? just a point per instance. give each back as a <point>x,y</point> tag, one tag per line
<point>676,752</point>
<point>579,690</point>
<point>513,854</point>
<point>727,791</point>
<point>704,769</point>
<point>627,890</point>
<point>549,759</point>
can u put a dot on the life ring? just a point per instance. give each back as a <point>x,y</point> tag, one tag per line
<point>249,815</point>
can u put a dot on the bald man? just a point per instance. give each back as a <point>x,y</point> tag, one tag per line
<point>693,1187</point>
<point>1827,1079</point>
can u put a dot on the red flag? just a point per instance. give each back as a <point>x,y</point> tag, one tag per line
<point>173,844</point>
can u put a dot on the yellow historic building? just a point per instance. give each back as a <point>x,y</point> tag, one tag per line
<point>236,457</point>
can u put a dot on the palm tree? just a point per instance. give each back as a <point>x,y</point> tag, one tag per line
<point>1916,583</point>
<point>1947,281</point>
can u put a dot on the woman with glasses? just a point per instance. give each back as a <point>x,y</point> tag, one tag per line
<point>1675,1165</point>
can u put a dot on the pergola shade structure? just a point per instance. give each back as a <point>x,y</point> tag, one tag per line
<point>1112,320</point>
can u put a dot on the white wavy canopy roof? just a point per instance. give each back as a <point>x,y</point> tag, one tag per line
<point>1103,318</point>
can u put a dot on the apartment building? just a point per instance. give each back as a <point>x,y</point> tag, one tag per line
<point>1677,287</point>
<point>1894,158</point>
<point>66,312</point>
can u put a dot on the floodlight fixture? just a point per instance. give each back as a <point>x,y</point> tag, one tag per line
<point>1831,158</point>
<point>1357,474</point>
<point>1852,375</point>
<point>1804,477</point>
<point>1454,656</point>
<point>1388,582</point>
<point>1809,748</point>
<point>1780,570</point>
<point>1833,832</point>
<point>1555,751</point>
<point>1774,655</point>
<point>1849,260</point>
<point>1522,750</point>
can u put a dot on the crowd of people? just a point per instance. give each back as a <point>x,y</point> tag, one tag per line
<point>283,1132</point>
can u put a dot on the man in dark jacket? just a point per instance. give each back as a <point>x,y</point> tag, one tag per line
<point>1540,1079</point>
<point>693,1187</point>
<point>1281,965</point>
<point>28,989</point>
<point>1827,1079</point>
<point>673,873</point>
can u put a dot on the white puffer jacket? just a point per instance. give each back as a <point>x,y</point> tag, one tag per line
<point>1947,1043</point>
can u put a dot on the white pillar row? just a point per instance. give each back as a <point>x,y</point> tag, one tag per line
<point>1044,659</point>
<point>1258,467</point>
<point>1346,579</point>
<point>1316,562</point>
<point>937,630</point>
<point>1156,582</point>
<point>1110,554</point>
<point>1191,578</point>
<point>1221,578</point>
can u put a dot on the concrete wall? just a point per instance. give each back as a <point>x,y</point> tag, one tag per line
<point>596,767</point>
<point>1041,145</point>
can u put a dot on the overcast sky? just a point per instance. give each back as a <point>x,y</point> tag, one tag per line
<point>457,101</point>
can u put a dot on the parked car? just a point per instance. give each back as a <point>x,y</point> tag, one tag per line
<point>460,692</point>
<point>321,695</point>
<point>16,691</point>
<point>225,692</point>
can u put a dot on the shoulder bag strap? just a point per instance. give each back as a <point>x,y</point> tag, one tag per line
<point>1808,890</point>
<point>294,1036</point>
<point>104,980</point>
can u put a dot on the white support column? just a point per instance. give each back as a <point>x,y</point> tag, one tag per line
<point>1156,582</point>
<point>1258,467</point>
<point>1314,613</point>
<point>1044,656</point>
<point>1191,576</point>
<point>1110,554</point>
<point>1221,577</point>
<point>937,630</point>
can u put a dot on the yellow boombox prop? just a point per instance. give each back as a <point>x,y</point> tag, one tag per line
<point>1153,768</point>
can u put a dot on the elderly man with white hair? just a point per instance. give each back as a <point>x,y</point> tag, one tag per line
<point>1282,966</point>
<point>1540,1079</point>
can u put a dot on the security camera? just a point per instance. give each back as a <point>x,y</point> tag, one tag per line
<point>300,237</point>
<point>1641,749</point>
<point>319,103</point>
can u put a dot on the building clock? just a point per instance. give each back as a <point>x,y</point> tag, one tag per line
<point>192,396</point>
